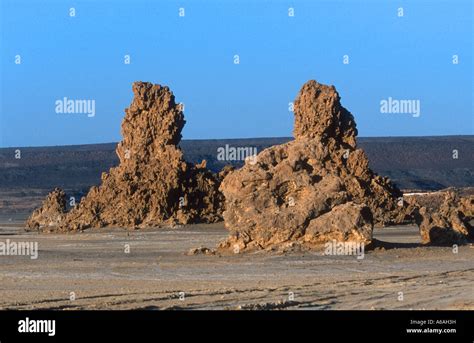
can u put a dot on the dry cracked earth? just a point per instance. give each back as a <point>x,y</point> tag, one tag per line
<point>92,270</point>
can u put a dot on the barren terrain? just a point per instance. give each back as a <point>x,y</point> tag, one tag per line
<point>157,269</point>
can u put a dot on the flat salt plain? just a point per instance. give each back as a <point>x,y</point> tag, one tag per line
<point>91,270</point>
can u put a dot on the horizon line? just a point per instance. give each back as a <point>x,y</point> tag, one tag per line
<point>228,139</point>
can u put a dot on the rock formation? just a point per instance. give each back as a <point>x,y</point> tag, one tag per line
<point>152,185</point>
<point>449,224</point>
<point>51,213</point>
<point>314,189</point>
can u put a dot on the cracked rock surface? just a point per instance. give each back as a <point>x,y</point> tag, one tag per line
<point>152,185</point>
<point>312,190</point>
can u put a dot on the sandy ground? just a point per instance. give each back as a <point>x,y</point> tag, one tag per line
<point>92,271</point>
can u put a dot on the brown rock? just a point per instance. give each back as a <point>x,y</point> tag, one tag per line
<point>450,224</point>
<point>347,222</point>
<point>319,114</point>
<point>153,184</point>
<point>314,189</point>
<point>51,213</point>
<point>200,251</point>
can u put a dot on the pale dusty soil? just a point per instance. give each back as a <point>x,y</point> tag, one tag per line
<point>95,267</point>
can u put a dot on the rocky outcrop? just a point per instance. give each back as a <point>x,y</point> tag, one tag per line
<point>449,224</point>
<point>152,185</point>
<point>314,189</point>
<point>347,222</point>
<point>50,214</point>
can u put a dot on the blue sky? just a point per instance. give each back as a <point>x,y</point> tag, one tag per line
<point>82,57</point>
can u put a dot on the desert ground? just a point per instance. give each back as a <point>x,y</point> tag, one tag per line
<point>91,270</point>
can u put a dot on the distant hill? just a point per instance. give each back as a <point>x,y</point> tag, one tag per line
<point>424,163</point>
